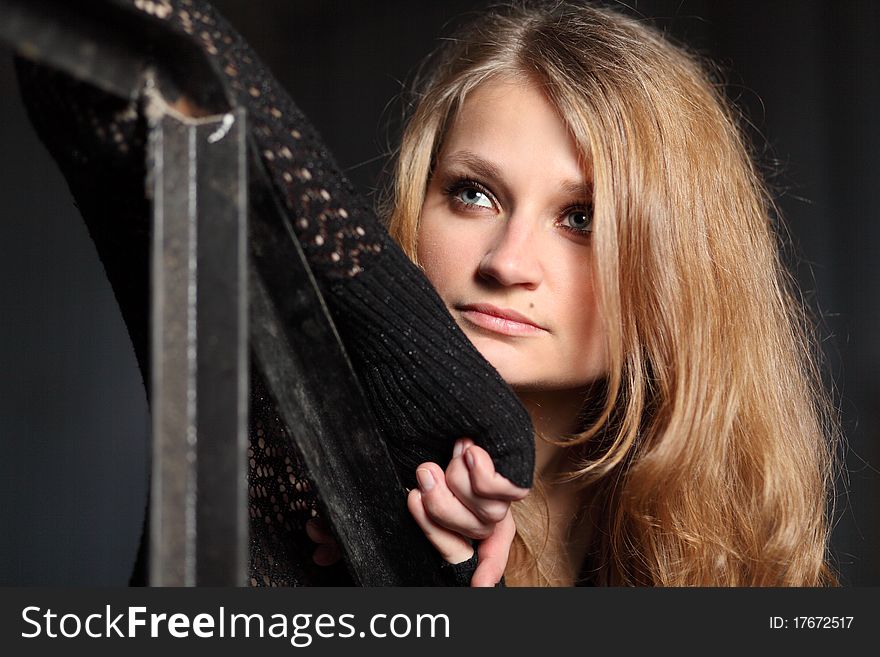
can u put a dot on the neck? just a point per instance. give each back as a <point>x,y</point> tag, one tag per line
<point>554,416</point>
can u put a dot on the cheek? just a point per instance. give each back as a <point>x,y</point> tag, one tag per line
<point>592,338</point>
<point>430,252</point>
<point>441,254</point>
<point>586,333</point>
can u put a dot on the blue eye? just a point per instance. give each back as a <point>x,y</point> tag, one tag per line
<point>473,196</point>
<point>578,220</point>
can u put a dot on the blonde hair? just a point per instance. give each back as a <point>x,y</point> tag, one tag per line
<point>709,456</point>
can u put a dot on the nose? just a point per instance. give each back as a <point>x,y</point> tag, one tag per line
<point>513,258</point>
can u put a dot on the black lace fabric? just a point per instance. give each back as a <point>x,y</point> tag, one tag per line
<point>334,234</point>
<point>281,499</point>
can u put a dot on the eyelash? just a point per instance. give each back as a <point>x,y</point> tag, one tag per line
<point>457,186</point>
<point>453,189</point>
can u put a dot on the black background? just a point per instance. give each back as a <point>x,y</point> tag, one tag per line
<point>73,414</point>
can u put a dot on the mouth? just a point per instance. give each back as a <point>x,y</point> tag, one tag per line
<point>499,320</point>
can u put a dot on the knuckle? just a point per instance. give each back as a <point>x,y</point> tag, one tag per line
<point>414,503</point>
<point>479,532</point>
<point>494,513</point>
<point>429,504</point>
<point>438,508</point>
<point>458,484</point>
<point>481,487</point>
<point>456,468</point>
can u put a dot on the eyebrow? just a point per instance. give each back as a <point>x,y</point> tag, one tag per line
<point>486,169</point>
<point>477,164</point>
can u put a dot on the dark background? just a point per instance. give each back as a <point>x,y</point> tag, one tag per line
<point>73,416</point>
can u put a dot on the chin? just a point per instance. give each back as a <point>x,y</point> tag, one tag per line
<point>512,367</point>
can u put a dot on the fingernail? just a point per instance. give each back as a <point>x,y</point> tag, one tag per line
<point>426,479</point>
<point>469,458</point>
<point>456,451</point>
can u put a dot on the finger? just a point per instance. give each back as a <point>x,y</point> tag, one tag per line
<point>458,479</point>
<point>453,548</point>
<point>326,554</point>
<point>444,508</point>
<point>485,482</point>
<point>317,531</point>
<point>494,553</point>
<point>460,445</point>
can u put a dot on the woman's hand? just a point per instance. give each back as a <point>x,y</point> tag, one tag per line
<point>327,551</point>
<point>467,501</point>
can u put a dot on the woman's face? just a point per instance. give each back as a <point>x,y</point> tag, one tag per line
<point>504,237</point>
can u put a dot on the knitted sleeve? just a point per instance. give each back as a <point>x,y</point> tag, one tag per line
<point>425,382</point>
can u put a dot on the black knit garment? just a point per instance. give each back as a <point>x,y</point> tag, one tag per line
<point>425,382</point>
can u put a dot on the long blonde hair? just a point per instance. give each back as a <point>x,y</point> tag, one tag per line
<point>709,456</point>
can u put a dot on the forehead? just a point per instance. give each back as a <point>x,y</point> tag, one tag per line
<point>511,122</point>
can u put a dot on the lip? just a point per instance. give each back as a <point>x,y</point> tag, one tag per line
<point>500,320</point>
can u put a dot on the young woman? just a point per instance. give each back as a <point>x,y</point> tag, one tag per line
<point>580,196</point>
<point>579,193</point>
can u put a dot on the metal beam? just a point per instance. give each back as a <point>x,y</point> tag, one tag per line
<point>199,351</point>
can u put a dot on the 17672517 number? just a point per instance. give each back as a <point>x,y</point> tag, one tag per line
<point>811,622</point>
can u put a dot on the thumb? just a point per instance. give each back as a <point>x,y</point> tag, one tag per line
<point>493,553</point>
